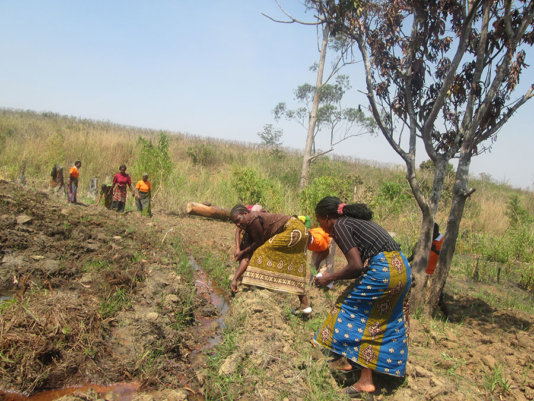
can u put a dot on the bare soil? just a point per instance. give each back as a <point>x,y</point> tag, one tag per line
<point>91,296</point>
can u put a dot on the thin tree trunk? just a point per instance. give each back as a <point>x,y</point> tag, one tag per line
<point>306,159</point>
<point>419,295</point>
<point>460,195</point>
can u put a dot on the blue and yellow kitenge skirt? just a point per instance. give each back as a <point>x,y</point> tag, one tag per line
<point>280,263</point>
<point>367,324</point>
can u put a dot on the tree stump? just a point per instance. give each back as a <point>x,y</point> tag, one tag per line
<point>92,190</point>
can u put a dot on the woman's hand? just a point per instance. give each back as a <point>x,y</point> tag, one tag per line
<point>322,279</point>
<point>233,285</point>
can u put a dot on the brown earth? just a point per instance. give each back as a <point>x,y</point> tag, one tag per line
<point>97,297</point>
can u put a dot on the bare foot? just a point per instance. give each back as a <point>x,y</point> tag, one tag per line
<point>368,388</point>
<point>341,364</point>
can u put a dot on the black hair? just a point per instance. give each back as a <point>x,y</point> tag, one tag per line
<point>238,209</point>
<point>436,231</point>
<point>122,165</point>
<point>328,206</point>
<point>77,162</point>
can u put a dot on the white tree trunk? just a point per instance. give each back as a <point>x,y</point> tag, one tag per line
<point>306,158</point>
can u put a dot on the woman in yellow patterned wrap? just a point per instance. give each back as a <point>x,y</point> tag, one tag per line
<point>366,326</point>
<point>277,243</point>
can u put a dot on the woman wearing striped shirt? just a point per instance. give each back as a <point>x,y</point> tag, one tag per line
<point>367,324</point>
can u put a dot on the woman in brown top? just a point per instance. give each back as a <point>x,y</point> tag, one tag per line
<point>277,245</point>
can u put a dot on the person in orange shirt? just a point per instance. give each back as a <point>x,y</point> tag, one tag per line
<point>72,185</point>
<point>323,251</point>
<point>143,190</point>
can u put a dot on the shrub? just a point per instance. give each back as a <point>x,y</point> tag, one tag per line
<point>250,186</point>
<point>202,154</point>
<point>527,277</point>
<point>517,214</point>
<point>321,187</point>
<point>393,196</point>
<point>153,159</point>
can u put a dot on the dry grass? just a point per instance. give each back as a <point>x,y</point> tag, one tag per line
<point>38,141</point>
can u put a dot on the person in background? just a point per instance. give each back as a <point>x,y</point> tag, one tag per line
<point>120,181</point>
<point>57,182</point>
<point>277,249</point>
<point>72,184</point>
<point>366,326</point>
<point>143,190</point>
<point>437,242</point>
<point>106,193</point>
<point>323,251</point>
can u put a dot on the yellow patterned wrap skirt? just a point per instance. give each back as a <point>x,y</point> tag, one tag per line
<point>280,263</point>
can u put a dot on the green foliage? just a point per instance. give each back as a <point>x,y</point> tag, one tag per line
<point>5,304</point>
<point>202,154</point>
<point>153,159</point>
<point>495,380</point>
<point>392,196</point>
<point>527,277</point>
<point>521,244</point>
<point>496,250</point>
<point>517,214</point>
<point>115,302</point>
<point>250,187</point>
<point>271,139</point>
<point>321,187</point>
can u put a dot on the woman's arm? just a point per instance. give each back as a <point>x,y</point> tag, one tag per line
<point>237,241</point>
<point>353,269</point>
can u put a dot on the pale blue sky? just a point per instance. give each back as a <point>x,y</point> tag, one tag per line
<point>212,69</point>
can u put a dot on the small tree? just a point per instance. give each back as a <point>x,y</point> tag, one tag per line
<point>153,159</point>
<point>312,114</point>
<point>271,139</point>
<point>340,123</point>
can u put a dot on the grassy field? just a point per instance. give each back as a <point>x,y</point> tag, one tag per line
<point>489,289</point>
<point>496,227</point>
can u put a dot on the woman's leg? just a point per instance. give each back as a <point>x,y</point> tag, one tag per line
<point>304,302</point>
<point>365,382</point>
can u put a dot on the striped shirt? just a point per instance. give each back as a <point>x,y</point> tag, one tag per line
<point>366,235</point>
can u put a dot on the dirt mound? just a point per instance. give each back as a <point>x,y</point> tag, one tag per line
<point>89,296</point>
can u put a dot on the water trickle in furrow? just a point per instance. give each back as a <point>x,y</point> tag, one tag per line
<point>126,391</point>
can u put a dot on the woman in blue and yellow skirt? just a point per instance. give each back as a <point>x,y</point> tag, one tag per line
<point>367,325</point>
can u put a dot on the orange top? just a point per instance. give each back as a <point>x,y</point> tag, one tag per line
<point>143,186</point>
<point>434,256</point>
<point>74,173</point>
<point>320,240</point>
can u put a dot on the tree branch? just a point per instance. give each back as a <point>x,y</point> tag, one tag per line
<point>292,19</point>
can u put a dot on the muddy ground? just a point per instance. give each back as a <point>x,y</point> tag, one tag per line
<point>93,297</point>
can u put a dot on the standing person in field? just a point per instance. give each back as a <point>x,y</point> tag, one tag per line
<point>72,184</point>
<point>277,249</point>
<point>120,181</point>
<point>366,327</point>
<point>143,190</point>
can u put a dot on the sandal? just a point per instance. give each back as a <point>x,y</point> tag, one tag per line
<point>305,311</point>
<point>355,393</point>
